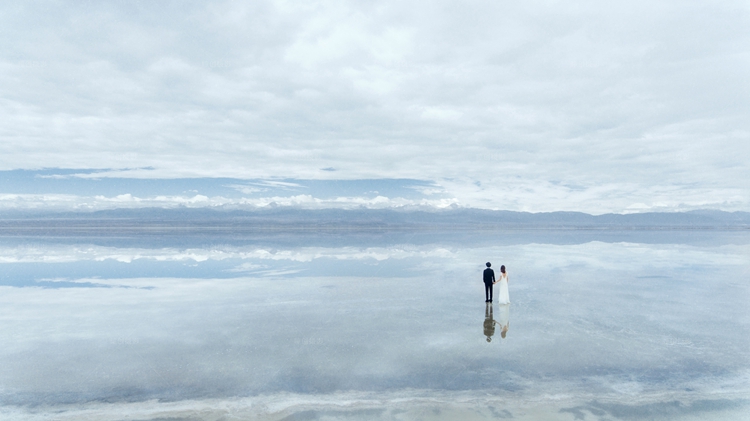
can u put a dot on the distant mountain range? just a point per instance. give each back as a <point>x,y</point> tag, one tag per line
<point>290,219</point>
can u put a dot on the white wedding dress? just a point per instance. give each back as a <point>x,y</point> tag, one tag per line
<point>502,295</point>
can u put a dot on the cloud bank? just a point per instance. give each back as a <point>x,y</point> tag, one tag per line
<point>535,106</point>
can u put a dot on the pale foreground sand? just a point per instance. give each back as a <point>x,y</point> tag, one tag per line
<point>407,405</point>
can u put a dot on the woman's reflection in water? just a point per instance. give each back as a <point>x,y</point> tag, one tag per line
<point>504,319</point>
<point>489,321</point>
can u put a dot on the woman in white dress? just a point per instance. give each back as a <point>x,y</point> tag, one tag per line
<point>502,296</point>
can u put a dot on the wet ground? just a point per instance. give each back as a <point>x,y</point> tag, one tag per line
<point>632,325</point>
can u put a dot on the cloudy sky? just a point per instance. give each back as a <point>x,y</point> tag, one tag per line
<point>535,106</point>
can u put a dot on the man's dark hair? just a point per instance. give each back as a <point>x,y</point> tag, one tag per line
<point>489,264</point>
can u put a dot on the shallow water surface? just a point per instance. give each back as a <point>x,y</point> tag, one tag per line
<point>388,326</point>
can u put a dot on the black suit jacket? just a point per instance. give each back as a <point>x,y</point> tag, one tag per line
<point>489,276</point>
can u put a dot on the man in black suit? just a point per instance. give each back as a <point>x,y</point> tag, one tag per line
<point>489,279</point>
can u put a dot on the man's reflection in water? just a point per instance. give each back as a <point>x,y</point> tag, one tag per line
<point>489,321</point>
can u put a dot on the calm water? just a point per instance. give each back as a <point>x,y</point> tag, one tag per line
<point>602,326</point>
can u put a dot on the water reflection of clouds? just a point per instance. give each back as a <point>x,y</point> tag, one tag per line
<point>592,254</point>
<point>63,254</point>
<point>647,264</point>
<point>263,332</point>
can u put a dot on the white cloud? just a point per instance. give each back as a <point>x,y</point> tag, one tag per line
<point>52,202</point>
<point>637,103</point>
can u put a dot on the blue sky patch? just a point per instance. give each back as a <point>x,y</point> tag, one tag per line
<point>85,183</point>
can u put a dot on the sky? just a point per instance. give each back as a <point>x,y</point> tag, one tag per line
<point>528,106</point>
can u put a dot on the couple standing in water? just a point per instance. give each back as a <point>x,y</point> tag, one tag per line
<point>502,297</point>
<point>489,281</point>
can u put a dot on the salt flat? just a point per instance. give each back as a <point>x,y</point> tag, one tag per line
<point>637,325</point>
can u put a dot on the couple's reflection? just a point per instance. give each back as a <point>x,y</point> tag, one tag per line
<point>503,320</point>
